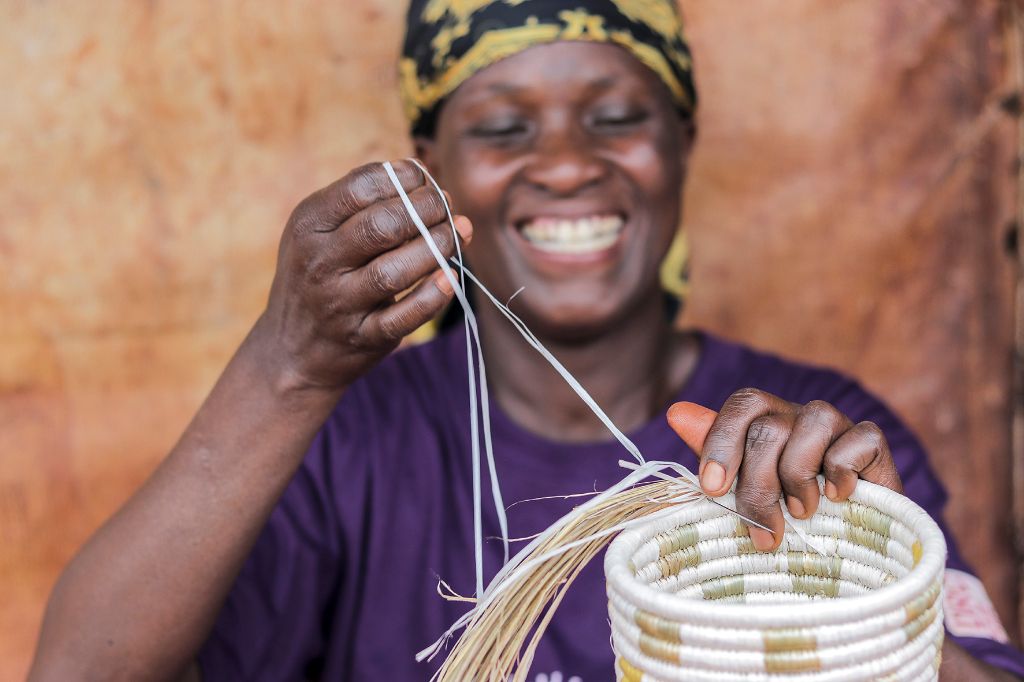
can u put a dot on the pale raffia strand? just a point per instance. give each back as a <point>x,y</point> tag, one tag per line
<point>500,640</point>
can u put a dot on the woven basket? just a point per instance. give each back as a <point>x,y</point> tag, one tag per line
<point>691,599</point>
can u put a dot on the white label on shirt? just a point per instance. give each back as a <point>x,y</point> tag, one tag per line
<point>556,677</point>
<point>968,610</point>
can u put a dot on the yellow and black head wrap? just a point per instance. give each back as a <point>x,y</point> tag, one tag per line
<point>447,41</point>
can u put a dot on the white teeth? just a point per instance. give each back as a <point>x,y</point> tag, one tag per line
<point>582,235</point>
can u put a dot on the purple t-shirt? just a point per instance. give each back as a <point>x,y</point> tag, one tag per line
<point>341,585</point>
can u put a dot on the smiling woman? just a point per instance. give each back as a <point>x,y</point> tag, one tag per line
<point>568,158</point>
<point>298,527</point>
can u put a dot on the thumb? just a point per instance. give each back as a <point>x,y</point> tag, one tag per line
<point>691,422</point>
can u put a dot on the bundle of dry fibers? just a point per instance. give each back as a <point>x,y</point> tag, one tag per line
<point>503,631</point>
<point>690,598</point>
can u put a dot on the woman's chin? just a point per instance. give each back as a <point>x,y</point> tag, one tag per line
<point>571,321</point>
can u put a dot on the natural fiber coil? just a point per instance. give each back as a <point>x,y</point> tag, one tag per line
<point>691,599</point>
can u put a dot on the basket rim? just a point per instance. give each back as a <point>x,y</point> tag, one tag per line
<point>798,614</point>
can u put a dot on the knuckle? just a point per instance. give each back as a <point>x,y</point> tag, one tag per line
<point>757,502</point>
<point>836,469</point>
<point>318,272</point>
<point>798,472</point>
<point>361,188</point>
<point>872,436</point>
<point>767,430</point>
<point>381,277</point>
<point>374,236</point>
<point>444,239</point>
<point>870,430</point>
<point>726,446</point>
<point>333,307</point>
<point>392,327</point>
<point>747,400</point>
<point>799,482</point>
<point>360,341</point>
<point>430,207</point>
<point>750,395</point>
<point>406,170</point>
<point>818,411</point>
<point>307,216</point>
<point>378,230</point>
<point>820,419</point>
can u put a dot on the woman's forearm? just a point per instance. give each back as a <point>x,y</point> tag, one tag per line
<point>140,597</point>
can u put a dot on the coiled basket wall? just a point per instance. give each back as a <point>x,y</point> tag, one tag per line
<point>691,599</point>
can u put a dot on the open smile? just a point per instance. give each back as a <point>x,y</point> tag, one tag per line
<point>577,236</point>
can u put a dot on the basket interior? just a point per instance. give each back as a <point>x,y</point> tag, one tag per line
<point>714,558</point>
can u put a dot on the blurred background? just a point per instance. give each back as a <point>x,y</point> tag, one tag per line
<point>853,200</point>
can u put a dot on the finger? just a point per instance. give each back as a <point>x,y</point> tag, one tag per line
<point>326,209</point>
<point>392,324</point>
<point>818,424</point>
<point>393,272</point>
<point>861,452</point>
<point>386,225</point>
<point>726,440</point>
<point>759,490</point>
<point>691,422</point>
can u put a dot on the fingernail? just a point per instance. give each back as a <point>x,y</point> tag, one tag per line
<point>442,283</point>
<point>796,507</point>
<point>464,228</point>
<point>762,539</point>
<point>831,492</point>
<point>713,477</point>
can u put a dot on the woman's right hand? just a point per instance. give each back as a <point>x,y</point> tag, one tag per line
<point>347,252</point>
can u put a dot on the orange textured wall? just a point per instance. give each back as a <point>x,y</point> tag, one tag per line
<point>850,198</point>
<point>846,204</point>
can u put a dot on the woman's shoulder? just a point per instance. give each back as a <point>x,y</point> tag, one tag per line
<point>728,366</point>
<point>735,365</point>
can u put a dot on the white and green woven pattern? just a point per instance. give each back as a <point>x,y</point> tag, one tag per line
<point>691,599</point>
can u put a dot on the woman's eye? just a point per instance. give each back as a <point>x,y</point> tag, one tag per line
<point>500,131</point>
<point>619,120</point>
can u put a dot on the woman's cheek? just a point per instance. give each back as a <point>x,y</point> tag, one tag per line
<point>482,193</point>
<point>652,169</point>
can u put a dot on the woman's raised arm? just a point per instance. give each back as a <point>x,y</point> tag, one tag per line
<point>140,597</point>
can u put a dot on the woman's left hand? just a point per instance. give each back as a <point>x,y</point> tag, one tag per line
<point>777,448</point>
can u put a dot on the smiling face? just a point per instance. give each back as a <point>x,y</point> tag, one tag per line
<point>569,159</point>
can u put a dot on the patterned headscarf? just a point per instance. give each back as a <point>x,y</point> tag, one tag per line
<point>447,41</point>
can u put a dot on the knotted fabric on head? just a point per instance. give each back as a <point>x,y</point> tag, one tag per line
<point>447,41</point>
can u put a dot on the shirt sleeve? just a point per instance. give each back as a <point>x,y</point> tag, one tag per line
<point>269,627</point>
<point>970,618</point>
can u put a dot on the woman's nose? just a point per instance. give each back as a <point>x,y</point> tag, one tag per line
<point>564,165</point>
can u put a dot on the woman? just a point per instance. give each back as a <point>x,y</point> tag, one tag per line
<point>300,525</point>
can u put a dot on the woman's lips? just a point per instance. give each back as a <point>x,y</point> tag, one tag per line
<point>586,237</point>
